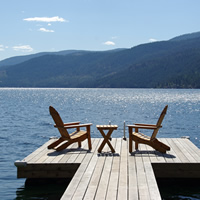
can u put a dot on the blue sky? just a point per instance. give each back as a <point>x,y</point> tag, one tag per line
<point>28,27</point>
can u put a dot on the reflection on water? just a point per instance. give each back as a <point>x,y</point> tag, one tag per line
<point>179,189</point>
<point>42,189</point>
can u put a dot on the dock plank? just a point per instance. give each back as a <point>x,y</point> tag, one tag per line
<point>141,179</point>
<point>79,151</point>
<point>183,149</point>
<point>151,179</point>
<point>52,155</point>
<point>177,152</point>
<point>68,153</point>
<point>132,174</point>
<point>59,157</point>
<point>105,173</point>
<point>151,153</point>
<point>114,176</point>
<point>123,173</point>
<point>69,193</point>
<point>169,156</point>
<point>96,176</point>
<point>36,154</point>
<point>104,180</point>
<point>191,148</point>
<point>82,155</point>
<point>82,186</point>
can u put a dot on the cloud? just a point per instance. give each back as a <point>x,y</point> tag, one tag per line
<point>114,37</point>
<point>46,30</point>
<point>1,47</point>
<point>109,43</point>
<point>152,40</point>
<point>23,48</point>
<point>45,19</point>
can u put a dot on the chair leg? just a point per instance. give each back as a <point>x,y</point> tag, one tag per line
<point>130,130</point>
<point>79,144</point>
<point>136,145</point>
<point>64,146</point>
<point>160,149</point>
<point>89,138</point>
<point>165,146</point>
<point>160,146</point>
<point>56,143</point>
<point>89,143</point>
<point>130,145</point>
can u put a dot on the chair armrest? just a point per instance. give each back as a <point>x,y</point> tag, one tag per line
<point>78,126</point>
<point>138,124</point>
<point>142,126</point>
<point>71,123</point>
<point>68,124</point>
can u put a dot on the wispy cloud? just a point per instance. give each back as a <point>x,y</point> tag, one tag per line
<point>109,43</point>
<point>46,30</point>
<point>1,47</point>
<point>114,37</point>
<point>46,19</point>
<point>23,48</point>
<point>152,40</point>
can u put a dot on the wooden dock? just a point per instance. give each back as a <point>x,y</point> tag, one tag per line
<point>113,176</point>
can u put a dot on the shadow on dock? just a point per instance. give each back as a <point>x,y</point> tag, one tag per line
<point>143,153</point>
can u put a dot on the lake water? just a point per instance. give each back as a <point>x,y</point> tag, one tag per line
<point>25,123</point>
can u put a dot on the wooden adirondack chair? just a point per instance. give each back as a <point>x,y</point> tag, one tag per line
<point>77,136</point>
<point>152,141</point>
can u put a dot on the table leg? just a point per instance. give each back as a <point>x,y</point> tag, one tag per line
<point>106,140</point>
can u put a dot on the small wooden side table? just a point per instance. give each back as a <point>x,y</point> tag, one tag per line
<point>106,137</point>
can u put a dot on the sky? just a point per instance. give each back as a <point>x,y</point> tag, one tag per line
<point>33,26</point>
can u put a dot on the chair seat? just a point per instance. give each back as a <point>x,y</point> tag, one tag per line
<point>77,134</point>
<point>141,135</point>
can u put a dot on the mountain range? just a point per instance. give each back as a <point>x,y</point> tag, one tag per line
<point>174,63</point>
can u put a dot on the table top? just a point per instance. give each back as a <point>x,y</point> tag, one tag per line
<point>106,127</point>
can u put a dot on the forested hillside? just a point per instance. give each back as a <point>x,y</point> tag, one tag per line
<point>166,64</point>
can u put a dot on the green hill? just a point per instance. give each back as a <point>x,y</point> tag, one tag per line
<point>167,64</point>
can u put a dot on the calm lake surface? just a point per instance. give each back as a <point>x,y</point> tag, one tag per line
<point>25,123</point>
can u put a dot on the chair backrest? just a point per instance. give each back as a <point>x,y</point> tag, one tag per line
<point>159,122</point>
<point>58,122</point>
